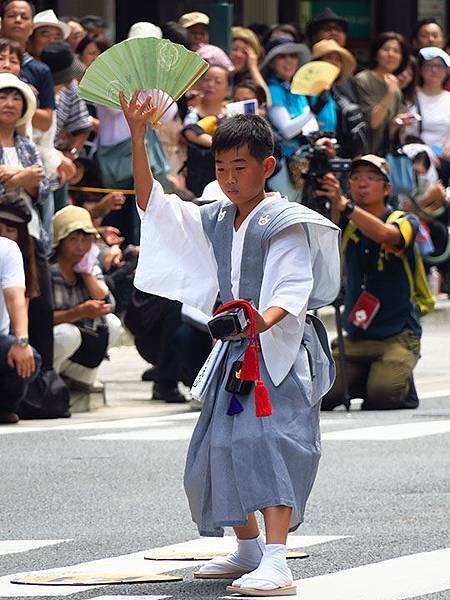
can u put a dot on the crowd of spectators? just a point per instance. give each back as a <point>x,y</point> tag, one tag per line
<point>66,178</point>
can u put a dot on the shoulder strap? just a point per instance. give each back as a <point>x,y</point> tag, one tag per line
<point>348,232</point>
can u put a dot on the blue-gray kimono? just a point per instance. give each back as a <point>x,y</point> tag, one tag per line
<point>240,463</point>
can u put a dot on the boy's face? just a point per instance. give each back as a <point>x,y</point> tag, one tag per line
<point>241,176</point>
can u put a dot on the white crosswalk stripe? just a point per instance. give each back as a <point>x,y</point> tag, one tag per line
<point>135,562</point>
<point>396,579</point>
<point>402,431</point>
<point>16,546</point>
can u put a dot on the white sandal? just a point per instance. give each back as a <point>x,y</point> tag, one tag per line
<point>285,590</point>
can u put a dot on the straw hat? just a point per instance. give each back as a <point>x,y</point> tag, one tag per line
<point>348,62</point>
<point>47,18</point>
<point>8,80</point>
<point>70,219</point>
<point>249,37</point>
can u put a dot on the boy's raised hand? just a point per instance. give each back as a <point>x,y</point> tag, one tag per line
<point>137,114</point>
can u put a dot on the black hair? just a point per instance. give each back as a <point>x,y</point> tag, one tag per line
<point>257,90</point>
<point>13,47</point>
<point>409,92</point>
<point>423,158</point>
<point>101,41</point>
<point>388,36</point>
<point>7,2</point>
<point>177,34</point>
<point>420,24</point>
<point>260,29</point>
<point>89,21</point>
<point>287,28</point>
<point>67,19</point>
<point>10,90</point>
<point>244,130</point>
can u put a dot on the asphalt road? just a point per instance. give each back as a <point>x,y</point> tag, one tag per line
<point>102,486</point>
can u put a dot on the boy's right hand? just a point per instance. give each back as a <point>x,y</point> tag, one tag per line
<point>137,114</point>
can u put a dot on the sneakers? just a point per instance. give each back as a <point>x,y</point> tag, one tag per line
<point>7,418</point>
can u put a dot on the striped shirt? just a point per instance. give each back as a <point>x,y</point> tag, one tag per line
<point>68,295</point>
<point>71,111</point>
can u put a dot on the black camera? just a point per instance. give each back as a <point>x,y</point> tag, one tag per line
<point>228,324</point>
<point>319,165</point>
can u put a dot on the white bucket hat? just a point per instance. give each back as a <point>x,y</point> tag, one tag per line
<point>8,80</point>
<point>49,19</point>
<point>144,29</point>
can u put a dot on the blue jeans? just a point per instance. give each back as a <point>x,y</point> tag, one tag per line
<point>13,387</point>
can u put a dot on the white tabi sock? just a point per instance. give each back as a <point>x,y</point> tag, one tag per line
<point>272,572</point>
<point>247,557</point>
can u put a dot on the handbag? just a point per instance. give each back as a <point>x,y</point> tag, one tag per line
<point>47,397</point>
<point>94,345</point>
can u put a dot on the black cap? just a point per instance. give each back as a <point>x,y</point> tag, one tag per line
<point>63,63</point>
<point>325,16</point>
<point>14,208</point>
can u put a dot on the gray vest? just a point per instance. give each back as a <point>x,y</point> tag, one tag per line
<point>218,221</point>
<point>270,219</point>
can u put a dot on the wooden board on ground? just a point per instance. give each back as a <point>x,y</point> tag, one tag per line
<point>207,555</point>
<point>89,578</point>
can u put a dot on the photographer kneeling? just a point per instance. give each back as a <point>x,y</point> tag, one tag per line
<point>382,322</point>
<point>84,326</point>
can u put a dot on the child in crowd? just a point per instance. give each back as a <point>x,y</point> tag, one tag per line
<point>262,248</point>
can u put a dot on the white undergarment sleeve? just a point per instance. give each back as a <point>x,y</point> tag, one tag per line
<point>176,259</point>
<point>287,283</point>
<point>287,126</point>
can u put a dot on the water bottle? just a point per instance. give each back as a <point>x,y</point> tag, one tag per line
<point>434,281</point>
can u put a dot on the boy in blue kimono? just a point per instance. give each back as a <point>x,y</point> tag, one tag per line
<point>259,247</point>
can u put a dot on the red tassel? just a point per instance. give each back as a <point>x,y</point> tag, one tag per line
<point>249,369</point>
<point>262,400</point>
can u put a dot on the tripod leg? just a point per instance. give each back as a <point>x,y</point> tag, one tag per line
<point>342,364</point>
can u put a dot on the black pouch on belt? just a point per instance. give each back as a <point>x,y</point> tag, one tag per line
<point>236,385</point>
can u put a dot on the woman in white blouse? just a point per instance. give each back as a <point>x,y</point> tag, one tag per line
<point>433,105</point>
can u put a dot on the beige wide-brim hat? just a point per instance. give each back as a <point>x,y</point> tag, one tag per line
<point>70,219</point>
<point>193,18</point>
<point>348,61</point>
<point>249,37</point>
<point>47,18</point>
<point>8,80</point>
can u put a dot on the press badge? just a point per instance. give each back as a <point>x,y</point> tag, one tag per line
<point>364,311</point>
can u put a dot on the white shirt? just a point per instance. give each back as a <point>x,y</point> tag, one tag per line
<point>11,276</point>
<point>176,261</point>
<point>435,113</point>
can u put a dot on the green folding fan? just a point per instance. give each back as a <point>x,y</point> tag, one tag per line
<point>159,68</point>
